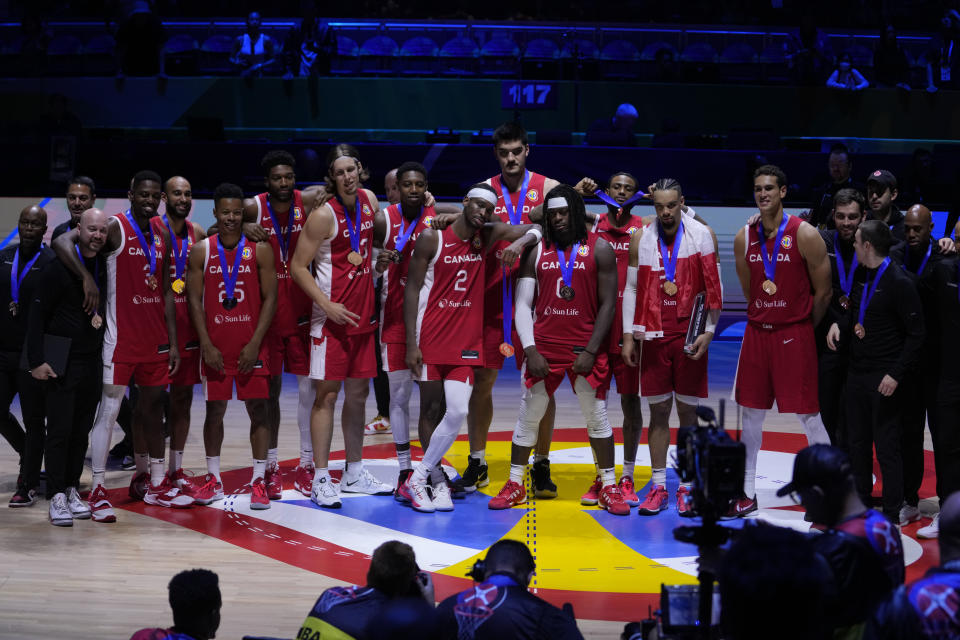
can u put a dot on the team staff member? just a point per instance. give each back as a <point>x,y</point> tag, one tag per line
<point>885,331</point>
<point>232,288</point>
<point>71,399</point>
<point>81,195</point>
<point>671,262</point>
<point>20,268</point>
<point>785,276</point>
<point>881,194</point>
<point>918,256</point>
<point>848,213</point>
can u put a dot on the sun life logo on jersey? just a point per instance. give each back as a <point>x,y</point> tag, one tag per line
<point>786,242</point>
<point>247,253</point>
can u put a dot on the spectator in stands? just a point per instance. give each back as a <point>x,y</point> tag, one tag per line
<point>890,66</point>
<point>309,46</point>
<point>140,39</point>
<point>195,600</point>
<point>942,55</point>
<point>500,607</point>
<point>840,166</point>
<point>616,131</point>
<point>254,50</point>
<point>845,77</point>
<point>927,608</point>
<point>393,575</point>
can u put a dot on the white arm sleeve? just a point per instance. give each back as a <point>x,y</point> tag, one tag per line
<point>713,317</point>
<point>523,317</point>
<point>629,300</point>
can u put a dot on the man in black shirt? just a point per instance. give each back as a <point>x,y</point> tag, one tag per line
<point>500,607</point>
<point>881,194</point>
<point>81,195</point>
<point>70,399</point>
<point>884,329</point>
<point>840,165</point>
<point>20,266</point>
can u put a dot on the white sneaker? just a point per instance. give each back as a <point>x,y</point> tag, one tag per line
<point>325,494</point>
<point>908,514</point>
<point>931,531</point>
<point>365,483</point>
<point>442,500</point>
<point>78,508</point>
<point>59,513</point>
<point>418,496</point>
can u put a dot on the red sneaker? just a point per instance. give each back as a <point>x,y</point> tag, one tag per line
<point>684,508</point>
<point>628,492</point>
<point>511,495</point>
<point>138,486</point>
<point>303,479</point>
<point>740,507</point>
<point>167,495</point>
<point>100,508</point>
<point>592,496</point>
<point>208,492</point>
<point>612,500</point>
<point>655,502</point>
<point>274,482</point>
<point>398,494</point>
<point>258,495</point>
<point>185,482</point>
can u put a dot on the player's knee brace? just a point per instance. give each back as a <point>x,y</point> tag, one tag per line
<point>594,410</point>
<point>532,407</point>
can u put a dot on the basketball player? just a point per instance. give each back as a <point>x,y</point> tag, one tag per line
<point>333,265</point>
<point>81,194</point>
<point>443,313</point>
<point>281,211</point>
<point>671,262</point>
<point>572,274</point>
<point>180,234</point>
<point>519,191</point>
<point>232,288</point>
<point>140,343</point>
<point>785,276</point>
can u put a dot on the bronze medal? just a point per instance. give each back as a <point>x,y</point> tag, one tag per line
<point>178,285</point>
<point>845,302</point>
<point>354,258</point>
<point>859,330</point>
<point>566,292</point>
<point>14,308</point>
<point>151,282</point>
<point>229,303</point>
<point>769,287</point>
<point>96,321</point>
<point>670,288</point>
<point>506,350</point>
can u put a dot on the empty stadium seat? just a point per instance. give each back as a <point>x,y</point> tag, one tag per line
<point>215,55</point>
<point>501,57</point>
<point>620,60</point>
<point>459,56</point>
<point>378,55</point>
<point>181,55</point>
<point>347,60</point>
<point>419,56</point>
<point>63,55</point>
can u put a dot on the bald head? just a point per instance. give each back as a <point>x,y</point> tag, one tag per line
<point>34,211</point>
<point>93,216</point>
<point>32,225</point>
<point>917,226</point>
<point>178,196</point>
<point>390,187</point>
<point>92,232</point>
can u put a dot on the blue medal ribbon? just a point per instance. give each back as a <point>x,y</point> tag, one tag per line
<point>17,276</point>
<point>566,266</point>
<point>869,288</point>
<point>282,240</point>
<point>515,213</point>
<point>179,250</point>
<point>770,266</point>
<point>405,232</point>
<point>353,226</point>
<point>846,275</point>
<point>600,193</point>
<point>923,264</point>
<point>230,279</point>
<point>670,257</point>
<point>146,246</point>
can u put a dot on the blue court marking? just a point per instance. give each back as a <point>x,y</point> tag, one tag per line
<point>733,331</point>
<point>471,524</point>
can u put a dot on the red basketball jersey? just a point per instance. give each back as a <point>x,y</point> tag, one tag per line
<point>293,305</point>
<point>566,322</point>
<point>136,326</point>
<point>231,329</point>
<point>494,269</point>
<point>619,239</point>
<point>793,300</point>
<point>351,286</point>
<point>450,313</point>
<point>394,279</point>
<point>186,334</point>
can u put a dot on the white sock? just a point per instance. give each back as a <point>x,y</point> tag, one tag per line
<point>259,470</point>
<point>420,473</point>
<point>213,467</point>
<point>479,454</point>
<point>272,458</point>
<point>176,461</point>
<point>608,477</point>
<point>98,477</point>
<point>156,471</point>
<point>659,476</point>
<point>752,438</point>
<point>353,470</point>
<point>305,395</point>
<point>628,469</point>
<point>143,462</point>
<point>516,472</point>
<point>320,472</point>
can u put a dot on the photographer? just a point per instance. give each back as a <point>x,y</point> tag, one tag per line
<point>346,611</point>
<point>500,607</point>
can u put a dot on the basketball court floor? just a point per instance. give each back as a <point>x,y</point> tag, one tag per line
<point>99,581</point>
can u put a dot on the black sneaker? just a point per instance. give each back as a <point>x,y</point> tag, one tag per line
<point>475,476</point>
<point>404,474</point>
<point>543,487</point>
<point>457,491</point>
<point>23,498</point>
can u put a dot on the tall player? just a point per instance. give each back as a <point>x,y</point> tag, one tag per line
<point>333,265</point>
<point>572,275</point>
<point>671,262</point>
<point>281,211</point>
<point>785,276</point>
<point>519,191</point>
<point>140,343</point>
<point>180,235</point>
<point>443,313</point>
<point>232,289</point>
